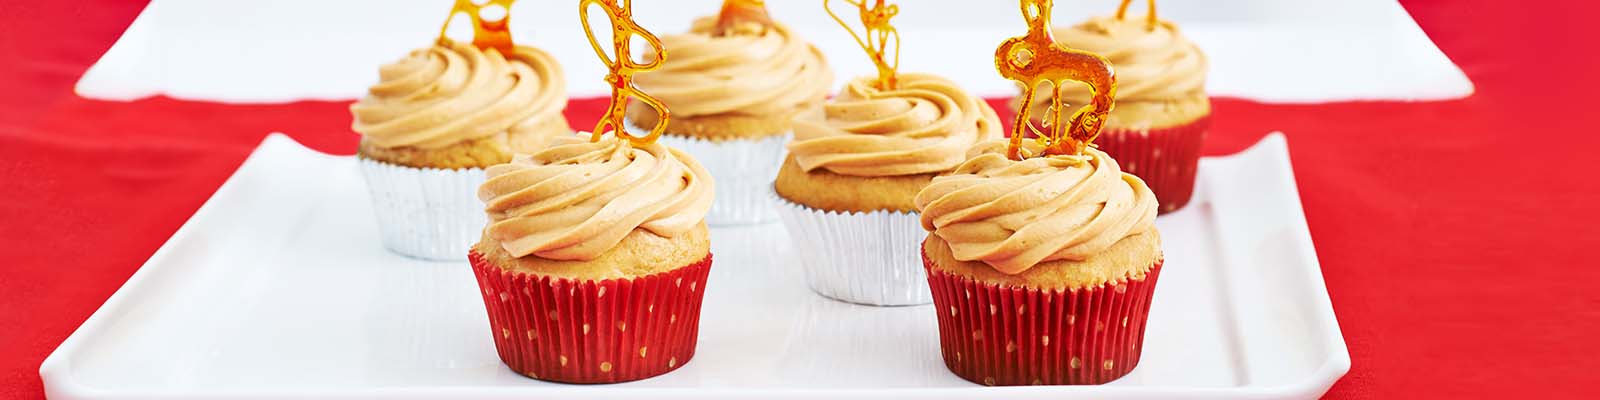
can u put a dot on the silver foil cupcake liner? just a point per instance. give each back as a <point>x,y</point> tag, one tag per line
<point>744,170</point>
<point>424,212</point>
<point>871,258</point>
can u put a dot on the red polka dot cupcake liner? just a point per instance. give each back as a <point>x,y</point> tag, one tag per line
<point>1001,336</point>
<point>1166,159</point>
<point>606,331</point>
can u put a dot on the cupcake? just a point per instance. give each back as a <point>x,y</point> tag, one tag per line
<point>734,83</point>
<point>846,187</point>
<point>594,260</point>
<point>1162,112</point>
<point>434,121</point>
<point>852,172</point>
<point>1042,269</point>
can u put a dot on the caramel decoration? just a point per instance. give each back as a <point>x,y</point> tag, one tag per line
<point>1035,58</point>
<point>735,12</point>
<point>875,38</point>
<point>485,34</point>
<point>623,29</point>
<point>1150,18</point>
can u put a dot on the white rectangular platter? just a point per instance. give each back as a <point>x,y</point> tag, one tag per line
<point>1299,51</point>
<point>278,288</point>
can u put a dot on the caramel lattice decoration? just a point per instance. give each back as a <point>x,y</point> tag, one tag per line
<point>736,12</point>
<point>486,33</point>
<point>1150,18</point>
<point>1035,58</point>
<point>876,36</point>
<point>622,66</point>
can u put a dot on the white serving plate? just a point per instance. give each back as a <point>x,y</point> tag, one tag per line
<point>278,288</point>
<point>1294,51</point>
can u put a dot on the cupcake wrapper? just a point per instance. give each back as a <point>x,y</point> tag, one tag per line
<point>744,171</point>
<point>864,258</point>
<point>1166,159</point>
<point>606,331</point>
<point>1000,336</point>
<point>424,212</point>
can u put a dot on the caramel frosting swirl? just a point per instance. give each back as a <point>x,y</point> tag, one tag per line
<point>924,126</point>
<point>1152,64</point>
<point>755,70</point>
<point>454,92</point>
<point>576,199</point>
<point>1013,215</point>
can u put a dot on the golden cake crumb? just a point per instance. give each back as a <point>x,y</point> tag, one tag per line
<point>638,254</point>
<point>721,127</point>
<point>1136,115</point>
<point>1129,258</point>
<point>475,153</point>
<point>825,190</point>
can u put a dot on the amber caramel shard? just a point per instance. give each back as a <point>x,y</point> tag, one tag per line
<point>1150,17</point>
<point>622,66</point>
<point>486,34</point>
<point>876,36</point>
<point>1035,58</point>
<point>736,12</point>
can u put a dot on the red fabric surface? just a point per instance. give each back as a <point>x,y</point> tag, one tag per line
<point>1451,234</point>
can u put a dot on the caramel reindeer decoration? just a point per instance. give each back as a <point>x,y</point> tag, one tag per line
<point>485,34</point>
<point>1150,19</point>
<point>875,38</point>
<point>737,11</point>
<point>1035,58</point>
<point>620,12</point>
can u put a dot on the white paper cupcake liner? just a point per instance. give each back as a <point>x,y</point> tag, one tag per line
<point>424,212</point>
<point>869,258</point>
<point>744,171</point>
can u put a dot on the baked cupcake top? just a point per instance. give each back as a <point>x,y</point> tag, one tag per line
<point>1013,215</point>
<point>578,199</point>
<point>754,69</point>
<point>454,92</point>
<point>924,125</point>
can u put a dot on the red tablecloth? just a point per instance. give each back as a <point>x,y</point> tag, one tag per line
<point>1451,233</point>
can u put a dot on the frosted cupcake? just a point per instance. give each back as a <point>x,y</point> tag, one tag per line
<point>434,121</point>
<point>734,83</point>
<point>1042,254</point>
<point>847,185</point>
<point>1042,270</point>
<point>1162,113</point>
<point>595,259</point>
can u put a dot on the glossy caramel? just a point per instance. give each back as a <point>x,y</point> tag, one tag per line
<point>485,34</point>
<point>875,39</point>
<point>1035,58</point>
<point>735,12</point>
<point>1150,18</point>
<point>622,67</point>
